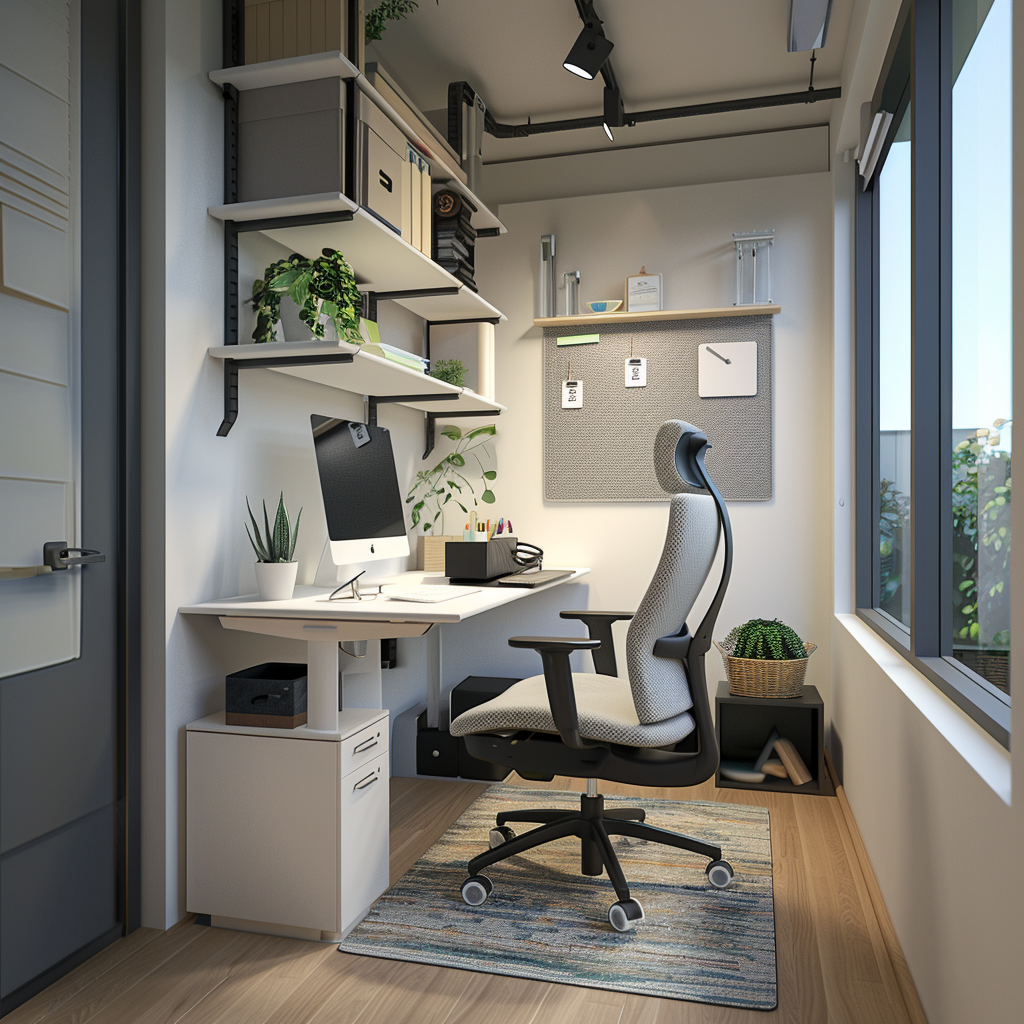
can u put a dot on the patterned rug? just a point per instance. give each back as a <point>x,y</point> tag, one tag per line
<point>548,922</point>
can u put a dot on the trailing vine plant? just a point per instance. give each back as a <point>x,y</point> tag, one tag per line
<point>388,10</point>
<point>323,286</point>
<point>434,489</point>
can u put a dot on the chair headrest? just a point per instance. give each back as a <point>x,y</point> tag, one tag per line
<point>675,450</point>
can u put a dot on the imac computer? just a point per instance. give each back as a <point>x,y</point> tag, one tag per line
<point>359,483</point>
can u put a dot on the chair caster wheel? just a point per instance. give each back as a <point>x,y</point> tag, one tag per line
<point>476,889</point>
<point>719,873</point>
<point>499,835</point>
<point>625,915</point>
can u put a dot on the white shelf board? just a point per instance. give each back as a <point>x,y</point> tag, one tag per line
<point>291,206</point>
<point>658,314</point>
<point>367,374</point>
<point>307,68</point>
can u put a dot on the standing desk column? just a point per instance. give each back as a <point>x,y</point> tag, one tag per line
<point>322,679</point>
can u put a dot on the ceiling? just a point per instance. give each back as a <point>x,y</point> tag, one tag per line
<point>667,53</point>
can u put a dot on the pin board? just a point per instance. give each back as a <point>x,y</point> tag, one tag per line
<point>602,450</point>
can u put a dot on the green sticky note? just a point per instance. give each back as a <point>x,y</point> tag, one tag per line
<point>580,339</point>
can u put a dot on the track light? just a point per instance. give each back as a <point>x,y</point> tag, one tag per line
<point>614,114</point>
<point>588,53</point>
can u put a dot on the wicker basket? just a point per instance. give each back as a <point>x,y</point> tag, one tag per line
<point>753,677</point>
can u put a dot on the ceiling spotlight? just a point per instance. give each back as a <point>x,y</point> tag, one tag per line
<point>614,114</point>
<point>588,53</point>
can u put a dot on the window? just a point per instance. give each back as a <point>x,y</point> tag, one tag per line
<point>934,354</point>
<point>982,354</point>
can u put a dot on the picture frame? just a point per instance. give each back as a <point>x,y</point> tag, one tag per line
<point>643,292</point>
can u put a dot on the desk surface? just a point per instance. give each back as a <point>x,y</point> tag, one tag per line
<point>312,603</point>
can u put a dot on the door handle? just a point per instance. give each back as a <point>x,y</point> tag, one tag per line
<point>386,181</point>
<point>57,556</point>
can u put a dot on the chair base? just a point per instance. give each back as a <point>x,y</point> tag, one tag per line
<point>594,825</point>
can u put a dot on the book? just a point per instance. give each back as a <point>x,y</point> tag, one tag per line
<point>775,767</point>
<point>449,246</point>
<point>740,771</point>
<point>795,767</point>
<point>766,750</point>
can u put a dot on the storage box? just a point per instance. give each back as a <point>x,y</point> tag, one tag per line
<point>291,140</point>
<point>430,551</point>
<point>382,165</point>
<point>291,28</point>
<point>480,562</point>
<point>271,696</point>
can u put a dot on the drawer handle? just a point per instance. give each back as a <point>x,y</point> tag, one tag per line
<point>368,781</point>
<point>365,745</point>
<point>386,181</point>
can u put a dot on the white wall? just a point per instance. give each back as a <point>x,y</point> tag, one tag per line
<point>783,546</point>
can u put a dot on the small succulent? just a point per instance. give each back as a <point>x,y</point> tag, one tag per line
<point>451,371</point>
<point>279,542</point>
<point>765,640</point>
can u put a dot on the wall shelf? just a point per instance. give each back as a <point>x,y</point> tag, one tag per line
<point>347,367</point>
<point>335,65</point>
<point>659,314</point>
<point>382,260</point>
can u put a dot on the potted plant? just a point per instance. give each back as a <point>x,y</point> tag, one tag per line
<point>323,288</point>
<point>275,551</point>
<point>435,490</point>
<point>451,371</point>
<point>765,658</point>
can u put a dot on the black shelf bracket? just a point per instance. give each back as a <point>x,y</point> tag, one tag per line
<point>370,299</point>
<point>374,400</point>
<point>432,420</point>
<point>233,228</point>
<point>232,366</point>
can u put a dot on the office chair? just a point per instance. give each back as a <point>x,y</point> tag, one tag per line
<point>653,730</point>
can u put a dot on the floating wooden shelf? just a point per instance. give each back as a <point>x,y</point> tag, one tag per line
<point>659,314</point>
<point>382,260</point>
<point>335,65</point>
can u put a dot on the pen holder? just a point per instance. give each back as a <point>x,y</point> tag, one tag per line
<point>480,563</point>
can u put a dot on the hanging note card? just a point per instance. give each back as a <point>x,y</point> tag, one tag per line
<point>636,372</point>
<point>572,394</point>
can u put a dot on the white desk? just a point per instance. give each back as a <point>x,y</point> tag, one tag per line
<point>310,616</point>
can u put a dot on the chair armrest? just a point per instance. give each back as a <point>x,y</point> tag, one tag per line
<point>599,626</point>
<point>554,655</point>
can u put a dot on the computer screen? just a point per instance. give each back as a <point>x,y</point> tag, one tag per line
<point>359,483</point>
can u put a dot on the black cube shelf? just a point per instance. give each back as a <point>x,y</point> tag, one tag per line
<point>743,725</point>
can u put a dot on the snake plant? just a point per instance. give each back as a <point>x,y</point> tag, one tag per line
<point>277,544</point>
<point>765,640</point>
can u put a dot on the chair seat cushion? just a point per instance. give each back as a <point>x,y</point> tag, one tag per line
<point>604,706</point>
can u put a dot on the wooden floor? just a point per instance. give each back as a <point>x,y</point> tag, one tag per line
<point>838,959</point>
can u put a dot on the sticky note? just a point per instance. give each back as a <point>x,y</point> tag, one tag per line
<point>579,339</point>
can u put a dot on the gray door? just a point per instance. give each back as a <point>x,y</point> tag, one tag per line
<point>62,765</point>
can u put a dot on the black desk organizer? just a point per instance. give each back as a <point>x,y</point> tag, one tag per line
<point>743,724</point>
<point>480,561</point>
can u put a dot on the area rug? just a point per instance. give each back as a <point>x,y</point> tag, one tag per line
<point>546,921</point>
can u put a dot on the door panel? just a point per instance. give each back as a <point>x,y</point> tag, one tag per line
<point>57,895</point>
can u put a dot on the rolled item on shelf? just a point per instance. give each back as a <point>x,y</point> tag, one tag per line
<point>485,360</point>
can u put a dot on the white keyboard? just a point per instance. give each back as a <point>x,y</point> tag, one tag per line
<point>427,594</point>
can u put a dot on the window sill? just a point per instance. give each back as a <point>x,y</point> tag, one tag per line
<point>974,744</point>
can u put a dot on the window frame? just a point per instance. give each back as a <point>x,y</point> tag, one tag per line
<point>928,644</point>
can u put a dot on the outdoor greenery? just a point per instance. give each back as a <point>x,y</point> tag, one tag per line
<point>765,640</point>
<point>451,371</point>
<point>277,544</point>
<point>448,482</point>
<point>388,10</point>
<point>323,286</point>
<point>981,533</point>
<point>982,487</point>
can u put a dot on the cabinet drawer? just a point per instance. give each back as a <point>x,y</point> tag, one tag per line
<point>366,745</point>
<point>365,842</point>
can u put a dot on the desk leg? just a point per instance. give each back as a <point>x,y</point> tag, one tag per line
<point>322,684</point>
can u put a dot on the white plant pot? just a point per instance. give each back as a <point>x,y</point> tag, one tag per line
<point>276,580</point>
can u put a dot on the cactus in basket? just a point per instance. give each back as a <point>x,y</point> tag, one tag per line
<point>765,640</point>
<point>277,544</point>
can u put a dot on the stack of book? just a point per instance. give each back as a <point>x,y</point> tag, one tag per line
<point>787,765</point>
<point>398,355</point>
<point>454,236</point>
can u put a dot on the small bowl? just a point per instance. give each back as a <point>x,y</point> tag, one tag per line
<point>604,305</point>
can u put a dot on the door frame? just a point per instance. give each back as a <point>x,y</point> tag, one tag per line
<point>113,27</point>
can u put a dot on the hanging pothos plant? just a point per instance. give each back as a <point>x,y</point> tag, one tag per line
<point>387,10</point>
<point>448,482</point>
<point>321,287</point>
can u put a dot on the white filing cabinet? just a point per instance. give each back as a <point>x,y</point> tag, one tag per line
<point>287,829</point>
